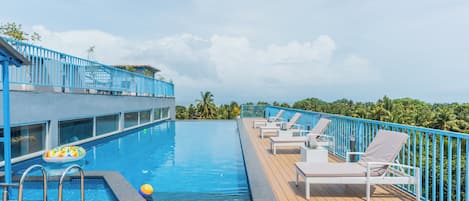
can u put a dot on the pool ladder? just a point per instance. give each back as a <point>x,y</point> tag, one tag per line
<point>20,185</point>
<point>82,181</point>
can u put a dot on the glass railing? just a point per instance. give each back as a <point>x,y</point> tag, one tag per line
<point>53,69</point>
<point>252,111</point>
<point>440,155</point>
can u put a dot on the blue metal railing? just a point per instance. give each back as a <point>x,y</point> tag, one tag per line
<point>54,69</point>
<point>440,155</point>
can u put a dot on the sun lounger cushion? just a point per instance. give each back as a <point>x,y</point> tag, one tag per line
<point>331,169</point>
<point>384,148</point>
<point>289,139</point>
<point>321,126</point>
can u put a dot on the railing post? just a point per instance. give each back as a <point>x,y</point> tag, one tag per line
<point>6,122</point>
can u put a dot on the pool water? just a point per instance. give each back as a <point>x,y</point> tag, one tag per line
<point>95,190</point>
<point>182,160</point>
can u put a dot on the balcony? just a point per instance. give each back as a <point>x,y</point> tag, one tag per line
<point>58,72</point>
<point>429,149</point>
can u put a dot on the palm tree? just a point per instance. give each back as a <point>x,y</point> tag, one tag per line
<point>206,108</point>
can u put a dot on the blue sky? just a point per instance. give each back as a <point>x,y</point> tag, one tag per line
<point>270,50</point>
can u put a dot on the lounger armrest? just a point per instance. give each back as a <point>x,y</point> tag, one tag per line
<point>329,138</point>
<point>299,126</point>
<point>280,119</point>
<point>347,155</point>
<point>370,166</point>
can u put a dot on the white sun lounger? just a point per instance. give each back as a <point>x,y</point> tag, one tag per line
<point>375,167</point>
<point>274,128</point>
<point>264,122</point>
<point>317,131</point>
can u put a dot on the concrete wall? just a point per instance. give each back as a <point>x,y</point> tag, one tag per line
<point>27,107</point>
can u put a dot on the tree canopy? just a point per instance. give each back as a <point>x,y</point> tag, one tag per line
<point>444,116</point>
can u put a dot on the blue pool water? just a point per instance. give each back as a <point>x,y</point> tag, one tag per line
<point>183,160</point>
<point>95,190</point>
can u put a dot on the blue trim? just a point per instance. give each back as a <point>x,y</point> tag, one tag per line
<point>6,122</point>
<point>50,68</point>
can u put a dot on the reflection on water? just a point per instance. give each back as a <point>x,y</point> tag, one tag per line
<point>192,158</point>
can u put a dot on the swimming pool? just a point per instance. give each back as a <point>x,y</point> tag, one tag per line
<point>182,160</point>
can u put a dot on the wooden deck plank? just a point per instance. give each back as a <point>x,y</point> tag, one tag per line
<point>280,171</point>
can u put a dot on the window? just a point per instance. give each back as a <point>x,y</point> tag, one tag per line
<point>165,112</point>
<point>107,124</point>
<point>25,139</point>
<point>130,119</point>
<point>157,114</point>
<point>145,116</point>
<point>75,130</point>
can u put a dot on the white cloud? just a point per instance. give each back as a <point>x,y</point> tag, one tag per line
<point>228,66</point>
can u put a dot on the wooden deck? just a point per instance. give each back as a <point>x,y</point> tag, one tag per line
<point>280,171</point>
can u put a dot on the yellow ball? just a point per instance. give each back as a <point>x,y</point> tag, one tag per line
<point>146,189</point>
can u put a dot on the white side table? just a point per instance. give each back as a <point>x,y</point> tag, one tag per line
<point>318,155</point>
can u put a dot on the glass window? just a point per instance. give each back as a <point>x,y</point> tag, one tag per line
<point>107,124</point>
<point>165,112</point>
<point>157,114</point>
<point>25,139</point>
<point>130,119</point>
<point>145,116</point>
<point>74,130</point>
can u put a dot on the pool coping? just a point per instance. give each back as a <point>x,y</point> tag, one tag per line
<point>261,190</point>
<point>120,187</point>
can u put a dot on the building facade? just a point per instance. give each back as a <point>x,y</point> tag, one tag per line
<point>60,99</point>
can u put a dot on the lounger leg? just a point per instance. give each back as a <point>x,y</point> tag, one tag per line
<point>307,190</point>
<point>296,181</point>
<point>274,148</point>
<point>417,185</point>
<point>368,189</point>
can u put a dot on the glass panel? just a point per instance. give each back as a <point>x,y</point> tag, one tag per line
<point>165,112</point>
<point>25,139</point>
<point>157,113</point>
<point>145,116</point>
<point>130,119</point>
<point>74,130</point>
<point>107,124</point>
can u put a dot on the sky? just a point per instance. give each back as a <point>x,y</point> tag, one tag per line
<point>283,51</point>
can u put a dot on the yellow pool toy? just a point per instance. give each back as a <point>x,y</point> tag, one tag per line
<point>64,154</point>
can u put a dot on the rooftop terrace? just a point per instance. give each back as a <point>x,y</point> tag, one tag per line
<point>440,155</point>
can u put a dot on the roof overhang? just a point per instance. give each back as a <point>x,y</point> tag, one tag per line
<point>6,50</point>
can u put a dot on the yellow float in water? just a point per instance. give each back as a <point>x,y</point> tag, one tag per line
<point>146,190</point>
<point>64,154</point>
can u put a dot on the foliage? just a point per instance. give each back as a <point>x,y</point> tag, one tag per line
<point>444,116</point>
<point>90,52</point>
<point>15,31</point>
<point>206,108</point>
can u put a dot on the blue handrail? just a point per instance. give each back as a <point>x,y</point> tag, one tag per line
<point>442,156</point>
<point>50,68</point>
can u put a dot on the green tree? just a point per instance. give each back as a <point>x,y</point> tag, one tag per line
<point>15,31</point>
<point>181,112</point>
<point>206,108</point>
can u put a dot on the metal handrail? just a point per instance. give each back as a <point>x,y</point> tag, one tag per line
<point>82,181</point>
<point>5,189</point>
<point>23,177</point>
